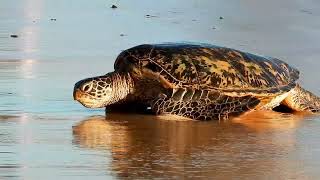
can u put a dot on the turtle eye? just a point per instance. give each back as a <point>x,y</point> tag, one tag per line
<point>86,87</point>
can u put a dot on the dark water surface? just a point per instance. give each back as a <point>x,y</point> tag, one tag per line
<point>44,134</point>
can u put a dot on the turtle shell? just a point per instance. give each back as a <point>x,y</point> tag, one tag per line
<point>205,66</point>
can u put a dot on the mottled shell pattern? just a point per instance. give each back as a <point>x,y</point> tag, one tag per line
<point>203,66</point>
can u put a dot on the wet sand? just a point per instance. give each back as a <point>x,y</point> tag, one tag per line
<point>44,134</point>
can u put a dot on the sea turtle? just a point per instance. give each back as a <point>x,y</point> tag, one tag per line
<point>197,81</point>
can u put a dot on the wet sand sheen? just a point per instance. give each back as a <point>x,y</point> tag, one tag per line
<point>257,145</point>
<point>145,146</point>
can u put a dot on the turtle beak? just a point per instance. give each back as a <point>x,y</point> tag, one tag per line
<point>79,96</point>
<point>85,99</point>
<point>76,94</point>
<point>77,91</point>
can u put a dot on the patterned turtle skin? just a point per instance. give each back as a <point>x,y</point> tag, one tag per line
<point>197,81</point>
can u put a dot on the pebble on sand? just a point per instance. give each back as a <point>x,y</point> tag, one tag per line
<point>114,6</point>
<point>13,35</point>
<point>150,16</point>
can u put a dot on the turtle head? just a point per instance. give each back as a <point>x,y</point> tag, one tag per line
<point>101,91</point>
<point>95,92</point>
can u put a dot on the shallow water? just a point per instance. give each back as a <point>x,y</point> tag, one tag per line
<point>44,134</point>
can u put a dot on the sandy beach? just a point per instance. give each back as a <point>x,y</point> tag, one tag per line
<point>47,46</point>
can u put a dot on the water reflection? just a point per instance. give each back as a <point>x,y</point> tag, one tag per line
<point>17,69</point>
<point>32,10</point>
<point>144,146</point>
<point>261,121</point>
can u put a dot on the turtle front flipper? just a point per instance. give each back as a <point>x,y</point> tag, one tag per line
<point>203,104</point>
<point>300,99</point>
<point>128,107</point>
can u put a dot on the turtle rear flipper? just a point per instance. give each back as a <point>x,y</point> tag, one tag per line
<point>203,104</point>
<point>300,99</point>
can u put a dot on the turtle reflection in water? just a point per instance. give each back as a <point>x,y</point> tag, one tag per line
<point>196,81</point>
